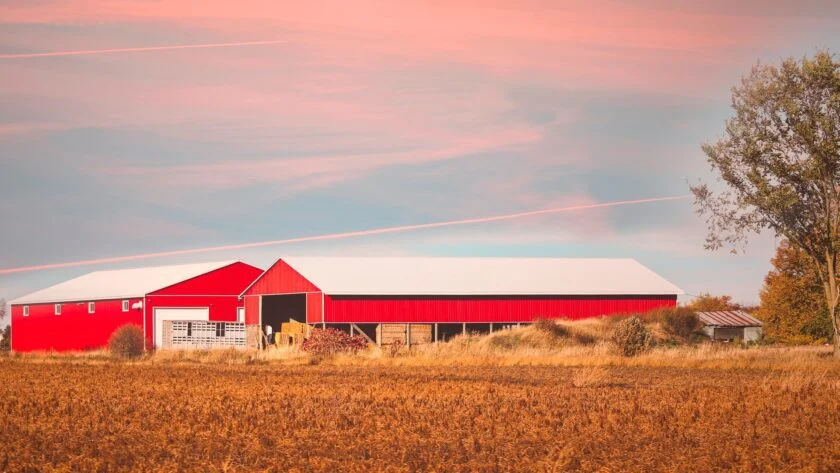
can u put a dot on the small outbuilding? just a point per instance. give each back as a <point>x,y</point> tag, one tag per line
<point>82,313</point>
<point>729,325</point>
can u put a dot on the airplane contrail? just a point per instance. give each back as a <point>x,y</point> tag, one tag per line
<point>338,236</point>
<point>86,52</point>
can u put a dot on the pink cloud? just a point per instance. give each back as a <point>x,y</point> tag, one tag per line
<point>570,44</point>
<point>307,172</point>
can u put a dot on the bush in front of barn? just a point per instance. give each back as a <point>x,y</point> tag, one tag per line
<point>127,341</point>
<point>331,341</point>
<point>631,337</point>
<point>678,322</point>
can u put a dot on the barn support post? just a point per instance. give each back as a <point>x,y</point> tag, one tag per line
<point>260,332</point>
<point>351,330</point>
<point>464,328</point>
<point>362,333</point>
<point>379,335</point>
<point>436,333</point>
<point>518,324</point>
<point>408,335</point>
<point>491,328</point>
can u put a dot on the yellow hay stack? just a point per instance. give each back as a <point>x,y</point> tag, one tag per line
<point>292,333</point>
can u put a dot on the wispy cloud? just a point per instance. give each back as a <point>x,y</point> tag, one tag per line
<point>313,171</point>
<point>144,49</point>
<point>338,236</point>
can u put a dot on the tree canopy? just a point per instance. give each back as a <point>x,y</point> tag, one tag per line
<point>779,161</point>
<point>793,308</point>
<point>706,302</point>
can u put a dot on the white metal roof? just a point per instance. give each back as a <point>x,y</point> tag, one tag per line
<point>481,276</point>
<point>119,283</point>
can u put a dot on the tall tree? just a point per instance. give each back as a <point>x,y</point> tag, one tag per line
<point>780,162</point>
<point>6,339</point>
<point>706,302</point>
<point>793,308</point>
<point>6,335</point>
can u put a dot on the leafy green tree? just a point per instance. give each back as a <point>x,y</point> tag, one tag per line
<point>780,162</point>
<point>706,302</point>
<point>793,308</point>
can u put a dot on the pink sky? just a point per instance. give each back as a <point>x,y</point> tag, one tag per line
<point>153,126</point>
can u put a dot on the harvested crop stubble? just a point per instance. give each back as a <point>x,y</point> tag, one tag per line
<point>122,416</point>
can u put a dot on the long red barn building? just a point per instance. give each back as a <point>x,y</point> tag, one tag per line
<point>459,291</point>
<point>82,313</point>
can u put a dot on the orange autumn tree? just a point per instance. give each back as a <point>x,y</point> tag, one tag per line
<point>793,307</point>
<point>706,302</point>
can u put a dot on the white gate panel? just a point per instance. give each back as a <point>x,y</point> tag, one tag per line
<point>180,313</point>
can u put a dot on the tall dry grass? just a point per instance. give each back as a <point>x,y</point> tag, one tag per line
<point>574,343</point>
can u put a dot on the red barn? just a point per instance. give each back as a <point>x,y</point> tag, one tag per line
<point>82,313</point>
<point>362,293</point>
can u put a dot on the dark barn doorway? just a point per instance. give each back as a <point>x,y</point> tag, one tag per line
<point>277,310</point>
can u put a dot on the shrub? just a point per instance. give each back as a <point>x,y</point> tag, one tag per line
<point>331,341</point>
<point>680,322</point>
<point>6,339</point>
<point>127,341</point>
<point>632,337</point>
<point>551,327</point>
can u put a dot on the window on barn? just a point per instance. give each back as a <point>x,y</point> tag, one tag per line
<point>189,329</point>
<point>220,329</point>
<point>58,309</point>
<point>125,305</point>
<point>26,311</point>
<point>91,307</point>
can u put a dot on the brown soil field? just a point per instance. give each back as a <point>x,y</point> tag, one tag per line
<point>99,415</point>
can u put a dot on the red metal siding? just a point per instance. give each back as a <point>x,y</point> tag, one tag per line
<point>457,309</point>
<point>230,280</point>
<point>313,308</point>
<point>281,279</point>
<point>252,310</point>
<point>74,330</point>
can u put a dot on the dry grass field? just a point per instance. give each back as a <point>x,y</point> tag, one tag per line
<point>711,410</point>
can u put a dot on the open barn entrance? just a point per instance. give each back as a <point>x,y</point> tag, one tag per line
<point>277,310</point>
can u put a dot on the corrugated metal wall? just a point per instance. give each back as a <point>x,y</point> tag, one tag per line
<point>313,308</point>
<point>281,279</point>
<point>74,330</point>
<point>474,309</point>
<point>252,310</point>
<point>229,281</point>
